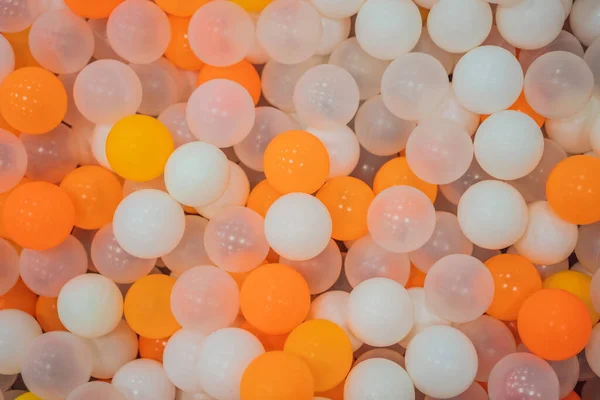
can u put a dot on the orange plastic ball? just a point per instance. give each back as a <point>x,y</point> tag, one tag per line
<point>416,278</point>
<point>269,342</point>
<point>95,192</point>
<point>96,9</point>
<point>38,215</point>
<point>275,299</point>
<point>296,161</point>
<point>515,279</point>
<point>33,100</point>
<point>147,307</point>
<point>262,197</point>
<point>20,297</point>
<point>325,348</point>
<point>277,375</point>
<point>253,5</point>
<point>153,349</point>
<point>20,44</point>
<point>572,396</point>
<point>347,199</point>
<point>179,51</point>
<point>46,314</point>
<point>3,197</point>
<point>523,106</point>
<point>554,324</point>
<point>4,125</point>
<point>243,73</point>
<point>397,172</point>
<point>181,8</point>
<point>573,189</point>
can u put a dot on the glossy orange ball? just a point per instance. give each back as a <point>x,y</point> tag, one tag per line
<point>262,197</point>
<point>46,313</point>
<point>20,297</point>
<point>397,172</point>
<point>179,51</point>
<point>153,349</point>
<point>243,73</point>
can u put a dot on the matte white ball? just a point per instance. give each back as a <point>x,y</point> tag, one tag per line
<point>18,330</point>
<point>487,79</point>
<point>298,226</point>
<point>197,174</point>
<point>441,361</point>
<point>148,223</point>
<point>342,146</point>
<point>380,312</point>
<point>144,379</point>
<point>458,26</point>
<point>90,305</point>
<point>376,379</point>
<point>492,214</point>
<point>180,359</point>
<point>585,21</point>
<point>337,8</point>
<point>387,29</point>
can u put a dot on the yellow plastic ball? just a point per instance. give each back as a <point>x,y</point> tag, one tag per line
<point>575,283</point>
<point>28,396</point>
<point>253,5</point>
<point>138,148</point>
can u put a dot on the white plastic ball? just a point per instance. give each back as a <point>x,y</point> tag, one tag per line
<point>160,88</point>
<point>197,174</point>
<point>15,16</point>
<point>585,21</point>
<point>337,8</point>
<point>378,378</point>
<point>298,226</point>
<point>441,361</point>
<point>148,223</point>
<point>113,350</point>
<point>574,134</point>
<point>492,214</point>
<point>380,312</point>
<point>7,58</point>
<point>335,31</point>
<point>180,359</point>
<point>487,79</point>
<point>342,146</point>
<point>236,193</point>
<point>18,332</point>
<point>387,29</point>
<point>144,379</point>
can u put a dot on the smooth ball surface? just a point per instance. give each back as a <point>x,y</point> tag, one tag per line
<point>14,160</point>
<point>19,330</point>
<point>377,378</point>
<point>144,379</point>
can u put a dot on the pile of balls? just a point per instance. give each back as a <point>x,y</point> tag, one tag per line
<point>299,199</point>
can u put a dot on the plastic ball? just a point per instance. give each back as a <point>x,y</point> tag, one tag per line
<point>160,88</point>
<point>113,350</point>
<point>179,51</point>
<point>487,79</point>
<point>585,21</point>
<point>376,303</point>
<point>20,330</point>
<point>138,31</point>
<point>387,29</point>
<point>181,357</point>
<point>55,364</point>
<point>242,73</point>
<point>174,118</point>
<point>153,349</point>
<point>588,245</point>
<point>558,84</point>
<point>447,19</point>
<point>554,324</point>
<point>576,283</point>
<point>459,288</point>
<point>236,194</point>
<point>567,372</point>
<point>452,110</point>
<point>592,350</point>
<point>572,189</point>
<point>7,65</point>
<point>343,149</point>
<point>262,197</point>
<point>520,373</point>
<point>335,31</point>
<point>275,299</point>
<point>277,375</point>
<point>32,100</point>
<point>106,91</point>
<point>337,8</point>
<point>180,8</point>
<point>492,214</point>
<point>144,379</point>
<point>96,391</point>
<point>17,16</point>
<point>102,48</point>
<point>19,297</point>
<point>397,172</point>
<point>427,45</point>
<point>575,134</point>
<point>441,361</point>
<point>94,10</point>
<point>565,41</point>
<point>14,161</point>
<point>447,238</point>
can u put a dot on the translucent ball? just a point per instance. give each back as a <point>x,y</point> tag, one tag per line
<point>7,59</point>
<point>364,68</point>
<point>424,317</point>
<point>558,84</point>
<point>20,330</point>
<point>492,340</point>
<point>268,123</point>
<point>492,214</point>
<point>377,378</point>
<point>366,260</point>
<point>441,361</point>
<point>401,219</point>
<point>459,288</point>
<point>447,238</point>
<point>138,31</point>
<point>148,224</point>
<point>160,88</point>
<point>565,41</point>
<point>102,48</point>
<point>585,21</point>
<point>235,239</point>
<point>451,109</point>
<point>15,16</point>
<point>236,194</point>
<point>439,151</point>
<point>575,134</point>
<point>61,41</point>
<point>298,226</point>
<point>447,20</point>
<point>174,118</point>
<point>144,379</point>
<point>413,85</point>
<point>335,31</point>
<point>180,358</point>
<point>509,145</point>
<point>588,246</point>
<point>342,147</point>
<point>55,364</point>
<point>337,8</point>
<point>487,79</point>
<point>197,165</point>
<point>220,112</point>
<point>106,91</point>
<point>13,160</point>
<point>387,29</point>
<point>96,391</point>
<point>380,312</point>
<point>427,45</point>
<point>530,24</point>
<point>290,31</point>
<point>45,272</point>
<point>190,251</point>
<point>367,166</point>
<point>223,358</point>
<point>523,372</point>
